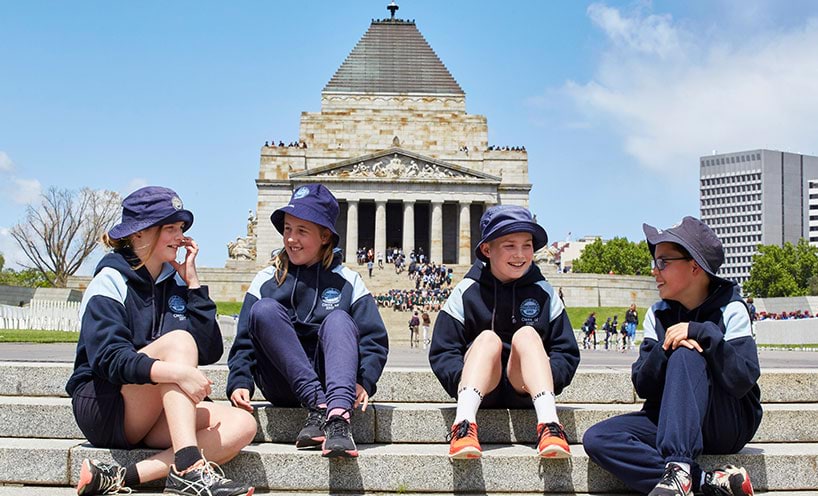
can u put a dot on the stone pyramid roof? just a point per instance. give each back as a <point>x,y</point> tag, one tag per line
<point>393,57</point>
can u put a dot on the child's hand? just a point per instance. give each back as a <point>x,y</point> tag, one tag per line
<point>241,399</point>
<point>187,269</point>
<point>361,397</point>
<point>194,383</point>
<point>675,335</point>
<point>691,344</point>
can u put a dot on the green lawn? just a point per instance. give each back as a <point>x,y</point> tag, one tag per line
<point>228,307</point>
<point>36,336</point>
<point>579,314</point>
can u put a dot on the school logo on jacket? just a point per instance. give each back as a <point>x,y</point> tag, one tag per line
<point>177,304</point>
<point>331,298</point>
<point>529,309</point>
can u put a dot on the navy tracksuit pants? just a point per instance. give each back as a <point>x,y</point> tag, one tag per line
<point>290,372</point>
<point>696,416</point>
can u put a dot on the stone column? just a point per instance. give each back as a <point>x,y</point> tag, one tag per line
<point>380,229</point>
<point>408,227</point>
<point>436,240</point>
<point>352,232</point>
<point>464,254</point>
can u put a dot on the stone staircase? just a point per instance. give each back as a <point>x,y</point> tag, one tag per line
<point>401,439</point>
<point>397,322</point>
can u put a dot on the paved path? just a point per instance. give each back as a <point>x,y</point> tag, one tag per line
<point>402,356</point>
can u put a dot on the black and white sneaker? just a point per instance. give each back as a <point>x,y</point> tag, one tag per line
<point>338,438</point>
<point>312,434</point>
<point>675,482</point>
<point>204,479</point>
<point>727,480</point>
<point>101,478</point>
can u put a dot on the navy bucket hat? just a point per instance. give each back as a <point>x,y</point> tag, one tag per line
<point>150,206</point>
<point>500,220</point>
<point>694,236</point>
<point>313,203</point>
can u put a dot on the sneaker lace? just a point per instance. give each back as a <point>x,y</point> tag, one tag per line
<point>671,478</point>
<point>337,425</point>
<point>459,431</point>
<point>551,429</point>
<point>212,473</point>
<point>112,479</point>
<point>315,416</point>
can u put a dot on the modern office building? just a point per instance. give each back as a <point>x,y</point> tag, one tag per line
<point>758,197</point>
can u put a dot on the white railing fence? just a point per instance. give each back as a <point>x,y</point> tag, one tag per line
<point>42,314</point>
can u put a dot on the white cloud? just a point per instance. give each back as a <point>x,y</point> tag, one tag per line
<point>133,185</point>
<point>649,34</point>
<point>674,94</point>
<point>11,251</point>
<point>26,191</point>
<point>6,165</point>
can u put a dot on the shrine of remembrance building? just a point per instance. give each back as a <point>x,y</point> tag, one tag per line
<point>393,141</point>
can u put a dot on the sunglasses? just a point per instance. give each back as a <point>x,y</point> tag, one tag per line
<point>660,264</point>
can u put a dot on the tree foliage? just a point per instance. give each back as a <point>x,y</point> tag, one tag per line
<point>59,234</point>
<point>780,271</point>
<point>618,255</point>
<point>29,278</point>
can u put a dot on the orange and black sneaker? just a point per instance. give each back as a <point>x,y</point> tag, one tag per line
<point>551,441</point>
<point>463,441</point>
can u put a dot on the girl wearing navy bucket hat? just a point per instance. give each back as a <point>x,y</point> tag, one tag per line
<point>309,333</point>
<point>147,323</point>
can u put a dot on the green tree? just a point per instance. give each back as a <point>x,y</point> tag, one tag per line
<point>618,255</point>
<point>780,271</point>
<point>30,278</point>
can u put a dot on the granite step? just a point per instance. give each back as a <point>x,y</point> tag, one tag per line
<point>407,468</point>
<point>19,489</point>
<point>410,385</point>
<point>43,418</point>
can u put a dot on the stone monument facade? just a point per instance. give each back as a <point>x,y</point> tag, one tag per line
<point>394,143</point>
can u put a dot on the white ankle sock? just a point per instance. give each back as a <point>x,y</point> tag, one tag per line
<point>546,407</point>
<point>468,401</point>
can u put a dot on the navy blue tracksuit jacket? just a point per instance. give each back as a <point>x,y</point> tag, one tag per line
<point>123,310</point>
<point>480,302</point>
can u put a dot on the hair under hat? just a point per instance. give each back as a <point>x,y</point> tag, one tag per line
<point>311,202</point>
<point>500,220</point>
<point>150,206</point>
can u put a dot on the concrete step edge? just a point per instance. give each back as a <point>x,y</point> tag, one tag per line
<point>407,468</point>
<point>596,385</point>
<point>47,417</point>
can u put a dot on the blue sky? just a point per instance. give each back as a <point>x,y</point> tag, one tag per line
<point>614,101</point>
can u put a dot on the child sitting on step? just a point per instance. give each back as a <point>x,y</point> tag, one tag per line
<point>146,324</point>
<point>503,338</point>
<point>697,371</point>
<point>309,332</point>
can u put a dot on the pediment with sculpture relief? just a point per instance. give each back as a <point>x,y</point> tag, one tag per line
<point>396,163</point>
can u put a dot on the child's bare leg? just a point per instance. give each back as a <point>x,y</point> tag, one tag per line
<point>529,371</point>
<point>164,416</point>
<point>481,374</point>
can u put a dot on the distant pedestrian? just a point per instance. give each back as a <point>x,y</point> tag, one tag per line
<point>414,323</point>
<point>631,319</point>
<point>426,322</point>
